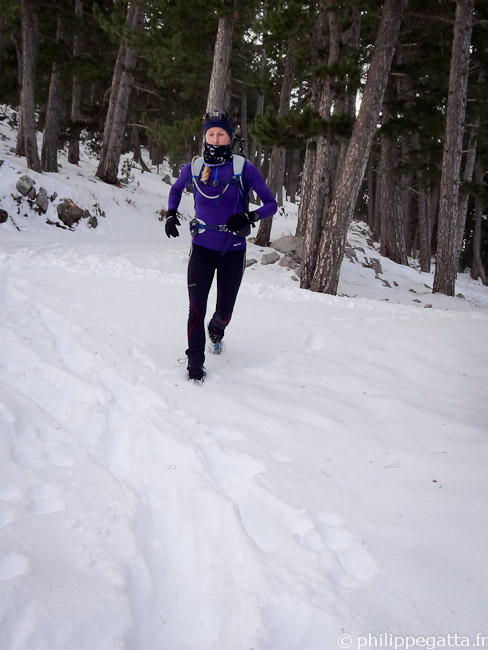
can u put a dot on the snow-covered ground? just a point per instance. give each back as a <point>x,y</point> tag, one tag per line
<point>326,487</point>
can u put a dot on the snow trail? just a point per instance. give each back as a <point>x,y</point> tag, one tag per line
<point>194,520</point>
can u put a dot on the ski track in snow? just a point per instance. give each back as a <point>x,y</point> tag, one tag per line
<point>113,411</point>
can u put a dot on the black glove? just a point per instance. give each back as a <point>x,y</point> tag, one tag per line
<point>171,222</point>
<point>241,220</point>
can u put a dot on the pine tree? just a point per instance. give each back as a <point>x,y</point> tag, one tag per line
<point>119,100</point>
<point>26,137</point>
<point>392,225</point>
<point>49,151</point>
<point>10,51</point>
<point>74,142</point>
<point>332,244</point>
<point>283,27</point>
<point>415,103</point>
<point>218,92</point>
<point>339,78</point>
<point>478,269</point>
<point>447,246</point>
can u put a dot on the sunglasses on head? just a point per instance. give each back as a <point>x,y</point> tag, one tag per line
<point>220,115</point>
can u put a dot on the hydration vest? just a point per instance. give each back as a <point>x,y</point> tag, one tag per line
<point>197,225</point>
<point>237,164</point>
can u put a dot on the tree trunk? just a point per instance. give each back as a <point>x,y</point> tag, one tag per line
<point>478,270</point>
<point>292,174</point>
<point>320,186</point>
<point>306,188</point>
<point>218,92</point>
<point>18,54</point>
<point>275,184</point>
<point>371,192</point>
<point>49,151</point>
<point>2,43</point>
<point>74,143</point>
<point>26,137</point>
<point>447,242</point>
<point>280,184</point>
<point>155,154</point>
<point>467,178</point>
<point>377,202</point>
<point>426,211</point>
<point>244,144</point>
<point>317,45</point>
<point>278,154</point>
<point>333,241</point>
<point>320,190</point>
<point>256,154</point>
<point>20,144</point>
<point>136,147</point>
<point>422,231</point>
<point>345,96</point>
<point>392,233</point>
<point>405,191</point>
<point>113,135</point>
<point>426,214</point>
<point>470,162</point>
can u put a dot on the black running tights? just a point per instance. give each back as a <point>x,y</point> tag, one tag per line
<point>202,266</point>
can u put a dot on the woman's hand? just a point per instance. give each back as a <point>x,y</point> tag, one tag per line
<point>171,222</point>
<point>240,220</point>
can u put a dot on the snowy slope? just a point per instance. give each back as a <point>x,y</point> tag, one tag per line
<point>328,479</point>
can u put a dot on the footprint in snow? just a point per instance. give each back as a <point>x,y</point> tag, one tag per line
<point>270,522</point>
<point>45,500</point>
<point>350,551</point>
<point>34,457</point>
<point>13,564</point>
<point>314,342</point>
<point>6,414</point>
<point>9,492</point>
<point>273,523</point>
<point>227,434</point>
<point>281,458</point>
<point>7,516</point>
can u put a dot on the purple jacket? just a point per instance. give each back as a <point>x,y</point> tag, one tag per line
<point>217,211</point>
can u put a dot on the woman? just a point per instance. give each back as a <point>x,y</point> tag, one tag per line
<point>219,229</point>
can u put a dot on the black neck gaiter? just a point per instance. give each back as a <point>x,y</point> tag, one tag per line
<point>217,154</point>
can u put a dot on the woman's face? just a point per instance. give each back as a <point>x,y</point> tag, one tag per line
<point>216,135</point>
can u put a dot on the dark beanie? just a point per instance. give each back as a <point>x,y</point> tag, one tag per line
<point>218,118</point>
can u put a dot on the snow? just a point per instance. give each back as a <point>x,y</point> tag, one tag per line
<point>328,479</point>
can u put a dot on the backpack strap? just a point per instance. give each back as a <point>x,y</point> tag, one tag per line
<point>238,161</point>
<point>196,167</point>
<point>238,165</point>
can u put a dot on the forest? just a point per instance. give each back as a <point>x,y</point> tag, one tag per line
<point>354,109</point>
